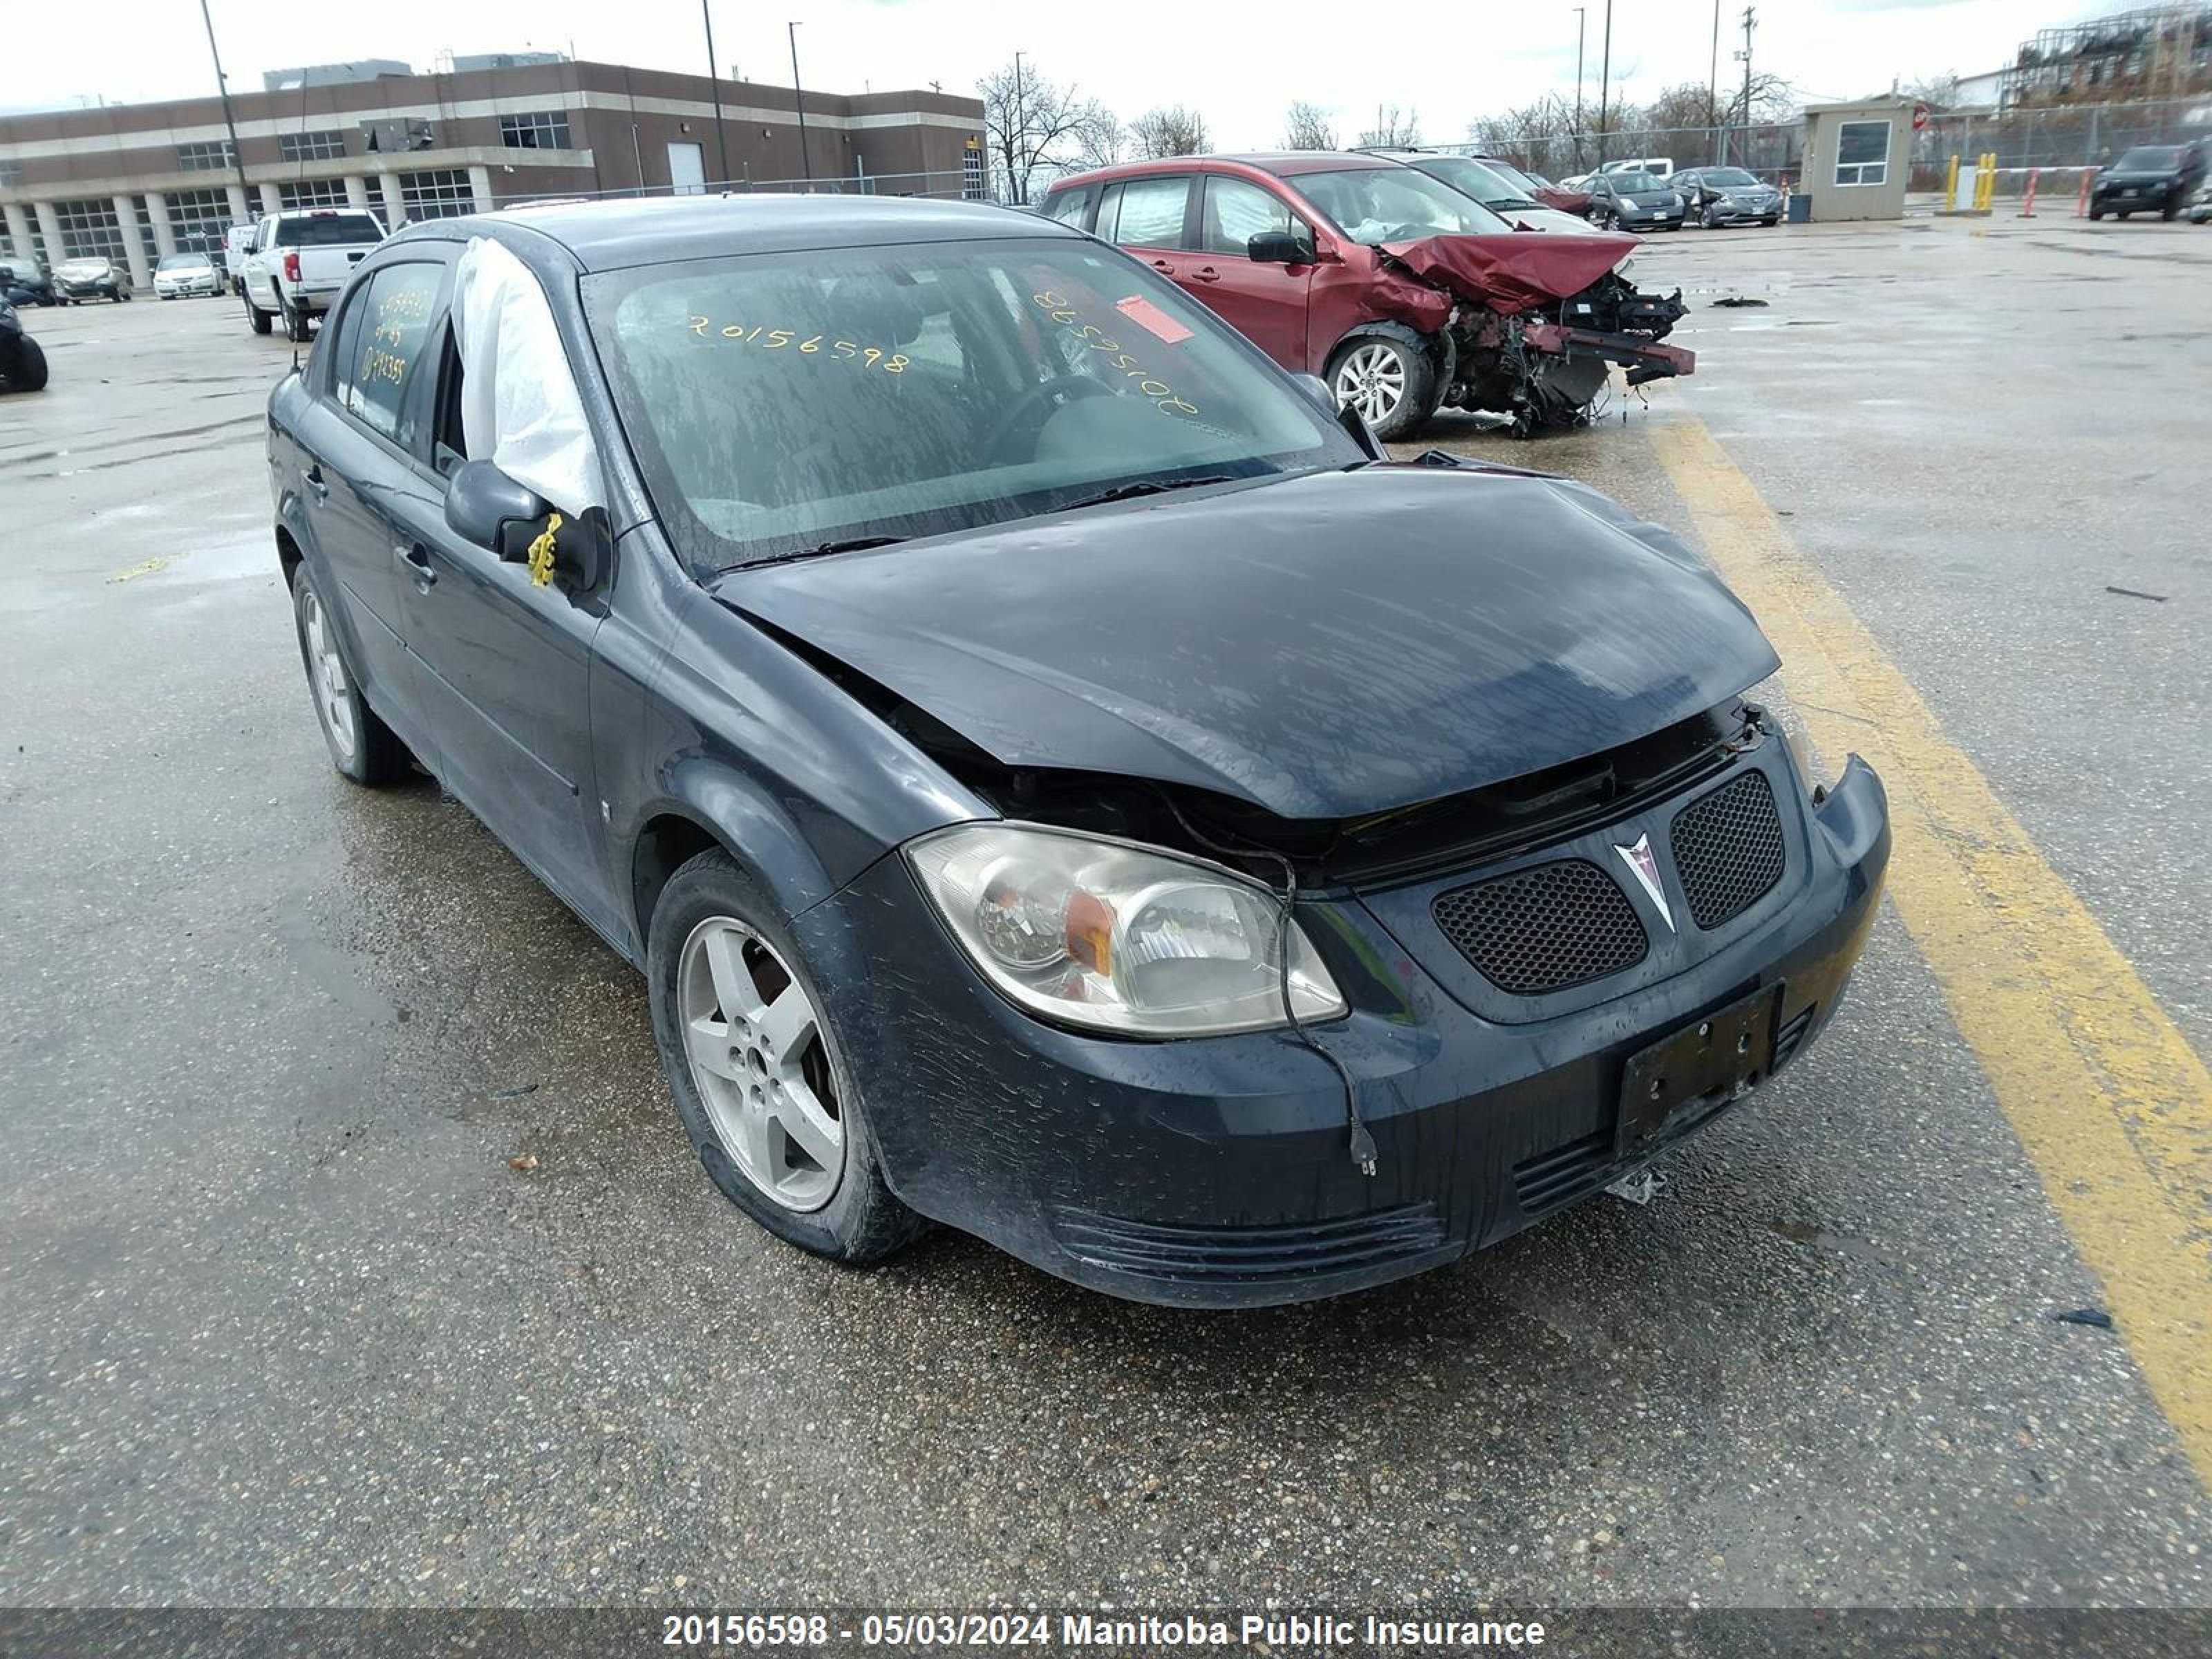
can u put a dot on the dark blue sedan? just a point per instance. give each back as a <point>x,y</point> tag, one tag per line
<point>1059,778</point>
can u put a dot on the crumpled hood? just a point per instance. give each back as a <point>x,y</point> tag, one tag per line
<point>1512,273</point>
<point>1324,647</point>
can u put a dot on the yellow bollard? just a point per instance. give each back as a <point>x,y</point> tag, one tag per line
<point>1951,187</point>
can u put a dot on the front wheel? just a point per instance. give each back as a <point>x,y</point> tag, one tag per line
<point>752,1058</point>
<point>2096,213</point>
<point>1390,383</point>
<point>2169,210</point>
<point>29,374</point>
<point>363,747</point>
<point>255,318</point>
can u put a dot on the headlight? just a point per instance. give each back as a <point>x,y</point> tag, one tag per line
<point>1673,201</point>
<point>1116,937</point>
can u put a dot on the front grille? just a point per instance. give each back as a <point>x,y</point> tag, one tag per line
<point>1249,1254</point>
<point>1549,1180</point>
<point>1728,849</point>
<point>1544,928</point>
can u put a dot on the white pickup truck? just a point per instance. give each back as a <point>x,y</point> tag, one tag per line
<point>301,261</point>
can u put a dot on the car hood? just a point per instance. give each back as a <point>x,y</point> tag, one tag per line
<point>1324,647</point>
<point>2160,176</point>
<point>1513,272</point>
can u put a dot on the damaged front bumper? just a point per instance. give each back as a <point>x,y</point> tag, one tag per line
<point>1214,1172</point>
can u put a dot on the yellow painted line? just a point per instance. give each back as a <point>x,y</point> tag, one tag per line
<point>2111,1102</point>
<point>143,568</point>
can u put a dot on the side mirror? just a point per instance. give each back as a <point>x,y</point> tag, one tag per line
<point>1278,247</point>
<point>486,507</point>
<point>1317,389</point>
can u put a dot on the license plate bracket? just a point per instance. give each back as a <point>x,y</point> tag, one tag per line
<point>1695,1073</point>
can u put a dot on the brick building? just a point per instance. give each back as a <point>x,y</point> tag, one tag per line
<point>136,181</point>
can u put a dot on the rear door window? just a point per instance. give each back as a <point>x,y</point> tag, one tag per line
<point>1145,212</point>
<point>396,310</point>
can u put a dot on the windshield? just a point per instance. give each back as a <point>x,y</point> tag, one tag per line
<point>780,402</point>
<point>1524,184</point>
<point>1395,204</point>
<point>1728,178</point>
<point>184,262</point>
<point>1473,177</point>
<point>1634,184</point>
<point>2149,159</point>
<point>327,230</point>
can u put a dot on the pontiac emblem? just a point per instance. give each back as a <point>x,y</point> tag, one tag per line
<point>1645,869</point>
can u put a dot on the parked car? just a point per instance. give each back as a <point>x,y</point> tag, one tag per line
<point>181,276</point>
<point>2200,210</point>
<point>1403,294</point>
<point>237,243</point>
<point>873,697</point>
<point>27,282</point>
<point>91,278</point>
<point>1635,201</point>
<point>22,364</point>
<point>1488,184</point>
<point>2149,178</point>
<point>1727,196</point>
<point>300,262</point>
<point>1658,165</point>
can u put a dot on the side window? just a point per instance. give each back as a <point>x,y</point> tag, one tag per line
<point>449,446</point>
<point>1068,206</point>
<point>1236,210</point>
<point>1148,214</point>
<point>341,345</point>
<point>396,311</point>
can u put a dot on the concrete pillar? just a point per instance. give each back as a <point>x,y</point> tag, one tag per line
<point>270,201</point>
<point>357,192</point>
<point>134,245</point>
<point>50,231</point>
<point>165,236</point>
<point>395,204</point>
<point>480,187</point>
<point>19,232</point>
<point>240,214</point>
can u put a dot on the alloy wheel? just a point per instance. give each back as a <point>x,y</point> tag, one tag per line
<point>761,1063</point>
<point>1371,379</point>
<point>326,675</point>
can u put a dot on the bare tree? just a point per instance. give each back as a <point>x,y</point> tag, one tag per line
<point>1101,140</point>
<point>1938,92</point>
<point>1541,135</point>
<point>1031,125</point>
<point>1679,108</point>
<point>1307,126</point>
<point>1391,129</point>
<point>1176,130</point>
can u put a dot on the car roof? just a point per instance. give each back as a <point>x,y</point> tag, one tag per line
<point>656,229</point>
<point>1281,163</point>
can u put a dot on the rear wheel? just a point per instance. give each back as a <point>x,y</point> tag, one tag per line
<point>746,1040</point>
<point>1390,382</point>
<point>295,323</point>
<point>28,371</point>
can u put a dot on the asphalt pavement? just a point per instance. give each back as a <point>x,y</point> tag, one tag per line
<point>351,1252</point>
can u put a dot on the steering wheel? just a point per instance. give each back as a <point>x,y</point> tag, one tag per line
<point>1037,403</point>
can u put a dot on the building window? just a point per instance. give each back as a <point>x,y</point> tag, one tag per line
<point>311,146</point>
<point>197,220</point>
<point>971,172</point>
<point>313,193</point>
<point>536,129</point>
<point>11,175</point>
<point>206,158</point>
<point>1862,153</point>
<point>446,194</point>
<point>90,231</point>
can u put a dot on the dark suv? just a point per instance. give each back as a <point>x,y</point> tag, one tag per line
<point>27,282</point>
<point>2149,178</point>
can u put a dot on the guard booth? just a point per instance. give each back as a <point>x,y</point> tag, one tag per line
<point>1857,159</point>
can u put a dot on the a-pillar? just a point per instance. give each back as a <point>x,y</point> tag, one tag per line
<point>134,245</point>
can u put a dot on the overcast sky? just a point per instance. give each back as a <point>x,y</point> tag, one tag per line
<point>1239,62</point>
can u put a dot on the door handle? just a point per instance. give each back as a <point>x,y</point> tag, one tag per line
<point>1164,267</point>
<point>1206,274</point>
<point>417,558</point>
<point>312,477</point>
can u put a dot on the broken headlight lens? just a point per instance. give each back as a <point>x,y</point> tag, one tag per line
<point>1117,937</point>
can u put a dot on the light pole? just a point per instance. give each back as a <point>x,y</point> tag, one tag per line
<point>1713,92</point>
<point>1750,18</point>
<point>714,80</point>
<point>1581,22</point>
<point>1017,137</point>
<point>229,121</point>
<point>1604,81</point>
<point>798,101</point>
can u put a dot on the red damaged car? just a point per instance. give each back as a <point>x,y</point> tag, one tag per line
<point>1399,292</point>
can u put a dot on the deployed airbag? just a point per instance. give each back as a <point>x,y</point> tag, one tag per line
<point>1515,272</point>
<point>521,409</point>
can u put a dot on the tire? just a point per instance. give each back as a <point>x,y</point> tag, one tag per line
<point>715,938</point>
<point>2096,213</point>
<point>296,324</point>
<point>2124,215</point>
<point>2169,210</point>
<point>255,317</point>
<point>29,374</point>
<point>1771,223</point>
<point>1365,369</point>
<point>1710,219</point>
<point>364,749</point>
